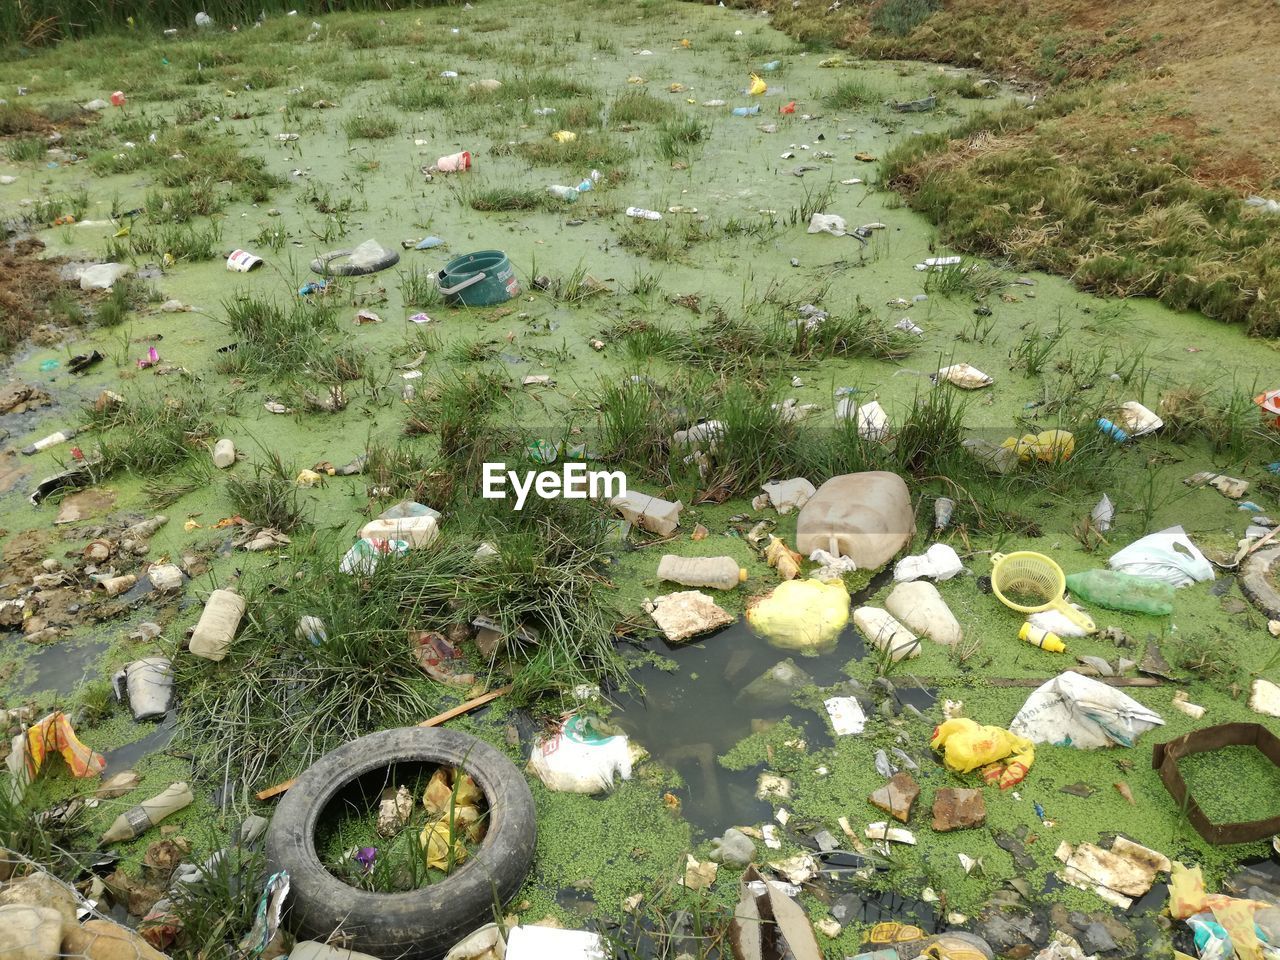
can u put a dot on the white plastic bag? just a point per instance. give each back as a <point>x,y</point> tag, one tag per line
<point>828,223</point>
<point>939,562</point>
<point>579,760</point>
<point>1074,711</point>
<point>1169,556</point>
<point>544,943</point>
<point>1059,623</point>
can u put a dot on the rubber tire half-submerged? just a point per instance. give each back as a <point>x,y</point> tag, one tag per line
<point>422,924</point>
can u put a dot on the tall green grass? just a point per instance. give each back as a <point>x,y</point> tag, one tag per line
<point>38,22</point>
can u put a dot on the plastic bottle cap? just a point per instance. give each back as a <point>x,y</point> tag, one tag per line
<point>742,574</point>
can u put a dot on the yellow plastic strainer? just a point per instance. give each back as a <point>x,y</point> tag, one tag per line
<point>1030,583</point>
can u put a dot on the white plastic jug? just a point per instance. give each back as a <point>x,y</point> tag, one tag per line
<point>218,624</point>
<point>416,531</point>
<point>652,513</point>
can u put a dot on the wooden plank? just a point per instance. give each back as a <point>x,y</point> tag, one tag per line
<point>466,707</point>
<point>1038,681</point>
<point>435,721</point>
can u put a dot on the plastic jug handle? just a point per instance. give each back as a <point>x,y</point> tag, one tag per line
<point>996,558</point>
<point>450,291</point>
<point>1075,616</point>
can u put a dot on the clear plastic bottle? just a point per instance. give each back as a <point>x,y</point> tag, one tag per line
<point>1122,591</point>
<point>640,213</point>
<point>561,192</point>
<point>718,573</point>
<point>746,111</point>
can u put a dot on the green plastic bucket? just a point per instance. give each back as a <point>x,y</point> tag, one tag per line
<point>480,279</point>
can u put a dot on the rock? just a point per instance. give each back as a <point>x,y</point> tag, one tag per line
<point>687,614</point>
<point>956,808</point>
<point>1094,938</point>
<point>1006,930</point>
<point>101,276</point>
<point>41,890</point>
<point>920,607</point>
<point>104,940</point>
<point>29,933</point>
<point>897,796</point>
<point>880,629</point>
<point>1265,698</point>
<point>864,516</point>
<point>224,454</point>
<point>126,781</point>
<point>162,858</point>
<point>775,686</point>
<point>734,849</point>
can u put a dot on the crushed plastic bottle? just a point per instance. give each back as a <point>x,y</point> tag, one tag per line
<point>720,573</point>
<point>640,213</point>
<point>746,111</point>
<point>561,192</point>
<point>1122,591</point>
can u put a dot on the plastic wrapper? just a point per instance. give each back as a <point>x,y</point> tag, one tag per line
<point>1169,556</point>
<point>801,614</point>
<point>578,759</point>
<point>967,745</point>
<point>1076,711</point>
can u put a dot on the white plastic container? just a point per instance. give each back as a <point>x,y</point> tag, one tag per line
<point>224,453</point>
<point>719,573</point>
<point>416,531</point>
<point>165,576</point>
<point>652,513</point>
<point>147,685</point>
<point>218,624</point>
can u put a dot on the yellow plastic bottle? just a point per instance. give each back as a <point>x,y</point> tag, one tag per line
<point>1042,638</point>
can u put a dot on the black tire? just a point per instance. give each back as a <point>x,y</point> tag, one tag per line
<point>422,924</point>
<point>324,265</point>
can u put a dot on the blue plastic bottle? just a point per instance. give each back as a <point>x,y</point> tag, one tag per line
<point>1111,430</point>
<point>746,111</point>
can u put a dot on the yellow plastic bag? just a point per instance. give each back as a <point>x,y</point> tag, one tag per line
<point>435,845</point>
<point>757,87</point>
<point>801,614</point>
<point>1186,891</point>
<point>564,136</point>
<point>966,745</point>
<point>55,733</point>
<point>1048,446</point>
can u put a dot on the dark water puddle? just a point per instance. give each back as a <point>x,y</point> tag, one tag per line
<point>162,734</point>
<point>686,719</point>
<point>61,667</point>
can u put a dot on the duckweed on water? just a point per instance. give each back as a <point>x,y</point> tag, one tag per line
<point>1233,785</point>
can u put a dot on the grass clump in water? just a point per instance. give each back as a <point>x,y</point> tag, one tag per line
<point>271,339</point>
<point>370,126</point>
<point>639,106</point>
<point>850,93</point>
<point>269,497</point>
<point>152,433</point>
